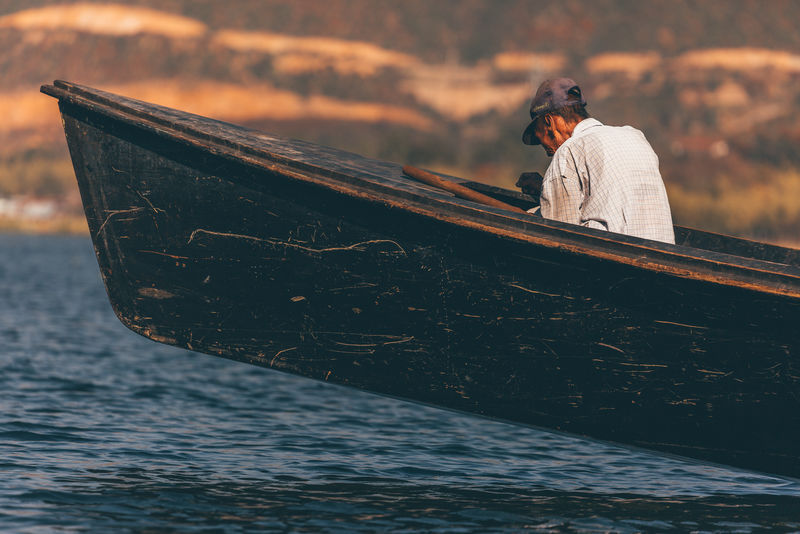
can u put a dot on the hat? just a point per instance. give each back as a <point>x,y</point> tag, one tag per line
<point>551,95</point>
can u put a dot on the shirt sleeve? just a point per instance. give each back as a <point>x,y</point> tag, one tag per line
<point>562,193</point>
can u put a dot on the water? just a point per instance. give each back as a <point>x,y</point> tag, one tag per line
<point>102,430</point>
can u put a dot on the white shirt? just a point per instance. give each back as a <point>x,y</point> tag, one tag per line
<point>607,177</point>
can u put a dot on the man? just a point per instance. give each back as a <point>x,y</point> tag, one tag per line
<point>603,177</point>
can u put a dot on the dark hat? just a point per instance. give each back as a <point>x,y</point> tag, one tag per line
<point>551,95</point>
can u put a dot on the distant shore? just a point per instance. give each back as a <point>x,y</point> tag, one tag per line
<point>61,224</point>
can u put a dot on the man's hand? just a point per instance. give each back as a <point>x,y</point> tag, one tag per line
<point>531,184</point>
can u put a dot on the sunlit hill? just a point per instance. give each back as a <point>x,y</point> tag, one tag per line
<point>405,83</point>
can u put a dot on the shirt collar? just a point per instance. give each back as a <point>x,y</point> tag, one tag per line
<point>585,125</point>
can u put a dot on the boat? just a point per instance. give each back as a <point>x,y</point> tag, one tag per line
<point>326,264</point>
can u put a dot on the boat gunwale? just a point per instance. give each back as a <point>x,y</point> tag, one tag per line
<point>704,265</point>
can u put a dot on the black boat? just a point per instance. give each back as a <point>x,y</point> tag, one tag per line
<point>326,264</point>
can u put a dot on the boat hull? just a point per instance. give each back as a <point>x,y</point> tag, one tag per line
<point>224,256</point>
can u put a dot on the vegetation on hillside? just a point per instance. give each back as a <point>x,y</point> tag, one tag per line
<point>439,84</point>
<point>37,174</point>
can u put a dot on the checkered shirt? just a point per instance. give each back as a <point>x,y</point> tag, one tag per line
<point>607,177</point>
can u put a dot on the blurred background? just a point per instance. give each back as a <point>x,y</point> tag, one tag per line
<point>444,85</point>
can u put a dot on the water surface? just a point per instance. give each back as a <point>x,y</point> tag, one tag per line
<point>101,430</point>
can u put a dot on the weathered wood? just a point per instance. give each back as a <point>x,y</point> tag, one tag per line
<point>333,266</point>
<point>457,189</point>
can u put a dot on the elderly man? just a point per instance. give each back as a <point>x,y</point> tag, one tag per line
<point>603,177</point>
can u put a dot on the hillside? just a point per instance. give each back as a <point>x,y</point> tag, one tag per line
<point>440,84</point>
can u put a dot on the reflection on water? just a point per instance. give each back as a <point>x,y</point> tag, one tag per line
<point>101,429</point>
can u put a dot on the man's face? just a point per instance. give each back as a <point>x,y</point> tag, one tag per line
<point>549,130</point>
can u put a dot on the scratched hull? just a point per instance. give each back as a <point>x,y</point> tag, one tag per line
<point>345,276</point>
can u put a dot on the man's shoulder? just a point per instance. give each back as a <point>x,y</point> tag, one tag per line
<point>594,128</point>
<point>592,137</point>
<point>602,133</point>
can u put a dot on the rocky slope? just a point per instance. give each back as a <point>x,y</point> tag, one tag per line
<point>445,84</point>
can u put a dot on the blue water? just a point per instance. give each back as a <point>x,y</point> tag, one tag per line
<point>102,430</point>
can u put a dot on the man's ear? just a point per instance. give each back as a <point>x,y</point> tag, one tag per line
<point>547,119</point>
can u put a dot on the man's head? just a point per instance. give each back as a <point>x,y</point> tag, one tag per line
<point>556,109</point>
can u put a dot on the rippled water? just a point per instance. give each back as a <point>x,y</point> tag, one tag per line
<point>103,430</point>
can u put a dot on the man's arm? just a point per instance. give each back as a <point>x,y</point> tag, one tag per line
<point>531,184</point>
<point>562,194</point>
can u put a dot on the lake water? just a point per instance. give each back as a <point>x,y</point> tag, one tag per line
<point>102,430</point>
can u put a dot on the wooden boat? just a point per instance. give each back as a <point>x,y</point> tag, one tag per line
<point>329,265</point>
